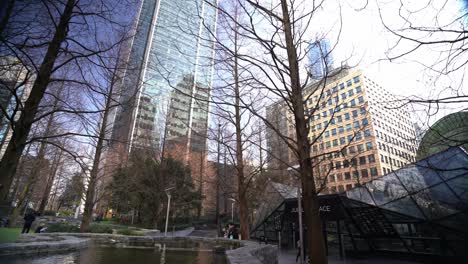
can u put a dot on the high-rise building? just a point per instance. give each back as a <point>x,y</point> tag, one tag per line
<point>320,59</point>
<point>15,86</point>
<point>355,131</point>
<point>166,85</point>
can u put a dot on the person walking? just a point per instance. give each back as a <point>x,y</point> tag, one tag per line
<point>28,221</point>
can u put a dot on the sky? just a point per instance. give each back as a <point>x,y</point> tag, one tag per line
<point>364,42</point>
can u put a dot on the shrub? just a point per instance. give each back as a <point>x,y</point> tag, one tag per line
<point>129,232</point>
<point>49,213</point>
<point>62,228</point>
<point>100,228</point>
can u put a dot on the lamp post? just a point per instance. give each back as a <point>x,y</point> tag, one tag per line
<point>232,208</point>
<point>168,208</point>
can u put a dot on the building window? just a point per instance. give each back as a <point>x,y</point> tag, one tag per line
<point>363,110</point>
<point>341,86</point>
<point>342,140</point>
<point>330,111</point>
<point>352,103</point>
<point>361,99</point>
<point>371,158</point>
<point>356,79</point>
<point>335,89</point>
<point>331,178</point>
<point>367,133</point>
<point>355,114</point>
<point>356,174</point>
<point>347,176</point>
<point>362,160</point>
<point>339,177</point>
<point>348,127</point>
<point>364,173</point>
<point>360,148</point>
<point>346,116</point>
<point>358,136</point>
<point>340,188</point>
<point>327,133</point>
<point>350,138</point>
<point>356,124</point>
<point>340,130</point>
<point>335,142</point>
<point>358,89</point>
<point>336,99</point>
<point>349,83</point>
<point>325,124</point>
<point>328,92</point>
<point>343,96</point>
<point>369,146</point>
<point>352,150</point>
<point>328,144</point>
<point>365,122</point>
<point>324,113</point>
<point>319,126</point>
<point>350,93</point>
<point>338,165</point>
<point>373,171</point>
<point>340,119</point>
<point>332,121</point>
<point>333,131</point>
<point>329,102</point>
<point>349,186</point>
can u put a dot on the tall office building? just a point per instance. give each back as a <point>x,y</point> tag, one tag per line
<point>356,133</point>
<point>320,59</point>
<point>15,85</point>
<point>166,85</point>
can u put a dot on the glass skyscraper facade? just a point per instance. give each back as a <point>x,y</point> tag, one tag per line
<point>320,59</point>
<point>168,76</point>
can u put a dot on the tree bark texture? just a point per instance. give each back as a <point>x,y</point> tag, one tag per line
<point>316,243</point>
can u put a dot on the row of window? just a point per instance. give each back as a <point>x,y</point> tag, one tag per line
<point>394,141</point>
<point>362,160</point>
<point>355,174</point>
<point>341,86</point>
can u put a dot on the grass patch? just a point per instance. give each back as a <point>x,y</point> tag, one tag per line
<point>9,234</point>
<point>130,232</point>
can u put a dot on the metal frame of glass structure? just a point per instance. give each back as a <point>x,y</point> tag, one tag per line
<point>419,209</point>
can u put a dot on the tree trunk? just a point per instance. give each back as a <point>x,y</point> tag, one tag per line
<point>242,192</point>
<point>50,181</point>
<point>93,177</point>
<point>19,136</point>
<point>316,243</point>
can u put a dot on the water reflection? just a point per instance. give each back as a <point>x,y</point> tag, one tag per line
<point>99,255</point>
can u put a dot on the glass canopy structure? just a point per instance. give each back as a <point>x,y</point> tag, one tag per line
<point>419,209</point>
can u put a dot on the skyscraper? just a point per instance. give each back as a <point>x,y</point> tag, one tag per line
<point>320,59</point>
<point>168,76</point>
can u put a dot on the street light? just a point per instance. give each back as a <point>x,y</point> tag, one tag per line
<point>168,207</point>
<point>232,209</point>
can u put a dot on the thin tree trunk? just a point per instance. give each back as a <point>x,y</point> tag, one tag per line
<point>90,192</point>
<point>19,137</point>
<point>316,244</point>
<point>243,207</point>
<point>50,181</point>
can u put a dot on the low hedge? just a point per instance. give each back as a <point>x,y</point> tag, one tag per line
<point>67,228</point>
<point>130,232</point>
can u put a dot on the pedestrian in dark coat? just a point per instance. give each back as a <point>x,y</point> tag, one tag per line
<point>28,221</point>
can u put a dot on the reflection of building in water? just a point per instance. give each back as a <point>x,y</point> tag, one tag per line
<point>169,68</point>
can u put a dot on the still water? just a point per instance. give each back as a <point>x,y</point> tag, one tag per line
<point>99,255</point>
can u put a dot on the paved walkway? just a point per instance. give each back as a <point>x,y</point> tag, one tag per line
<point>289,257</point>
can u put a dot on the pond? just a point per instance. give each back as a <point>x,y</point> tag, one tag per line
<point>106,255</point>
